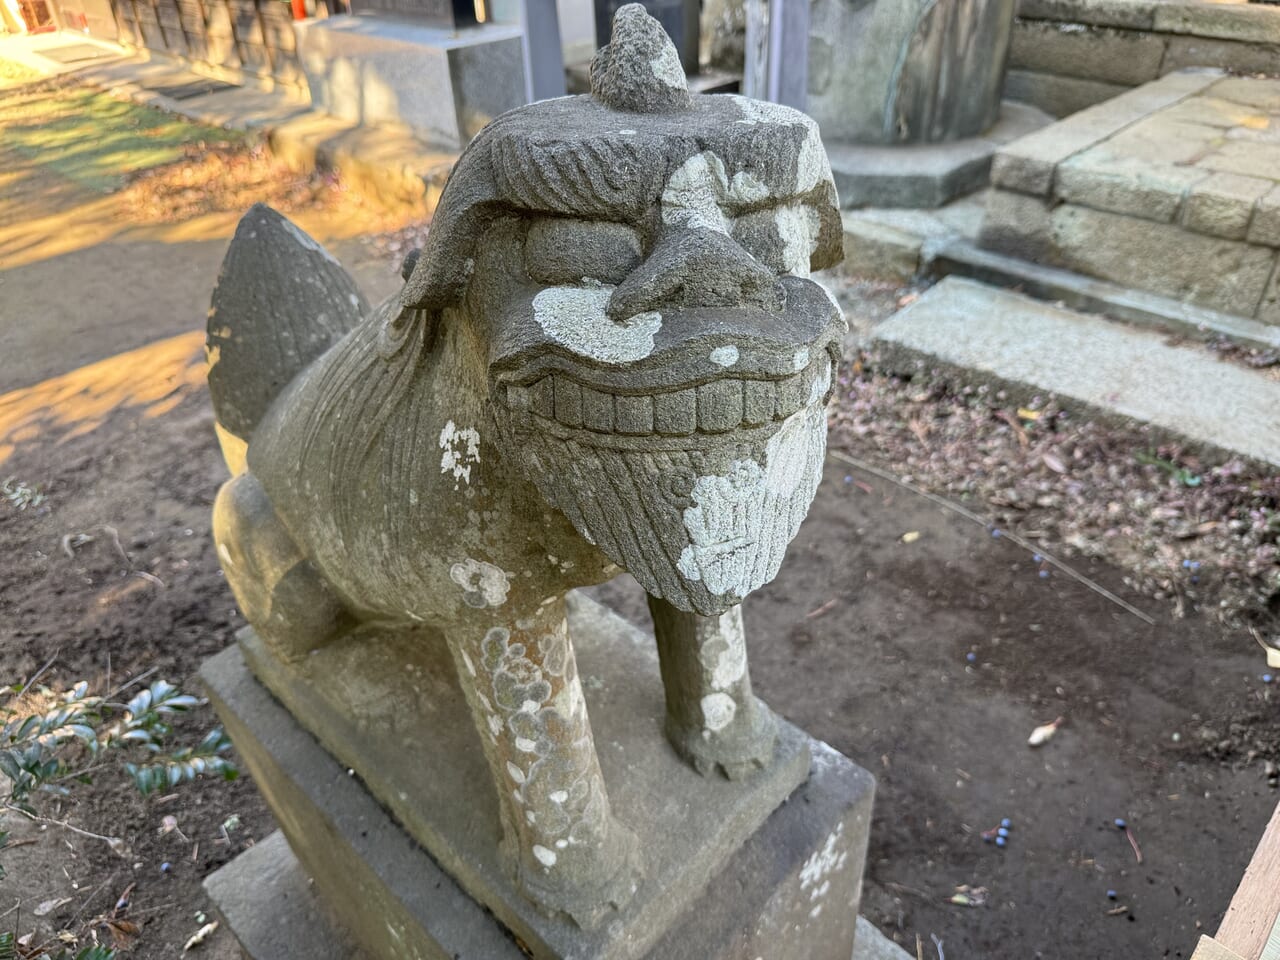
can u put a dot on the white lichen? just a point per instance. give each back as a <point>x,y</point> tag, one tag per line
<point>696,194</point>
<point>666,67</point>
<point>576,317</point>
<point>724,356</point>
<point>485,584</point>
<point>718,711</point>
<point>461,451</point>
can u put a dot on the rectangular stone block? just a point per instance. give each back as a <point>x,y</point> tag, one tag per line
<point>1128,185</point>
<point>874,249</point>
<point>1164,258</point>
<point>1057,95</point>
<point>1269,308</point>
<point>1127,57</point>
<point>1222,204</point>
<point>1265,228</point>
<point>1134,14</point>
<point>1186,51</point>
<point>374,700</point>
<point>442,82</point>
<point>1017,224</point>
<point>790,889</point>
<point>1027,165</point>
<point>1250,22</point>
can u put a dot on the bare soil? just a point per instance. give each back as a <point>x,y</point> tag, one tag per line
<point>863,640</point>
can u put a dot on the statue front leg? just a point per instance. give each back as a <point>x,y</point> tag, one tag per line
<point>713,719</point>
<point>566,851</point>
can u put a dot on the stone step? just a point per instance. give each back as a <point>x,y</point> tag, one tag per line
<point>962,257</point>
<point>989,335</point>
<point>1173,187</point>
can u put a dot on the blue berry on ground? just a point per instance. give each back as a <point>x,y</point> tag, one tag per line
<point>1111,894</point>
<point>1002,832</point>
<point>1001,841</point>
<point>1120,823</point>
<point>1044,574</point>
<point>165,867</point>
<point>973,658</point>
<point>1007,823</point>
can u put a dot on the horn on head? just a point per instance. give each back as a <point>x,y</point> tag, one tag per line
<point>639,69</point>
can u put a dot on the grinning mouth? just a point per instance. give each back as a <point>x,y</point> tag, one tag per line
<point>716,407</point>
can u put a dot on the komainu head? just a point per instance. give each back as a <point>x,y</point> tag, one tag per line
<point>635,263</point>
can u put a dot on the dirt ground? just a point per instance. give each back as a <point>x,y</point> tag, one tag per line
<point>863,640</point>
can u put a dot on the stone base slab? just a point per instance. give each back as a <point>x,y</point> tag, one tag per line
<point>266,898</point>
<point>791,889</point>
<point>446,84</point>
<point>925,175</point>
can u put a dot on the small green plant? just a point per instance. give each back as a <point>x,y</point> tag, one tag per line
<point>9,951</point>
<point>37,755</point>
<point>20,495</point>
<point>1181,474</point>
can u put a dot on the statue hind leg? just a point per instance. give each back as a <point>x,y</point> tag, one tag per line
<point>286,600</point>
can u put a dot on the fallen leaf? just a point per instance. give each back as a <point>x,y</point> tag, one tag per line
<point>911,536</point>
<point>49,906</point>
<point>201,936</point>
<point>1027,414</point>
<point>1044,733</point>
<point>124,933</point>
<point>1054,463</point>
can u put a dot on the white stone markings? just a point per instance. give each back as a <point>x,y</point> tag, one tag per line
<point>461,451</point>
<point>724,356</point>
<point>820,866</point>
<point>797,225</point>
<point>666,67</point>
<point>576,318</point>
<point>812,165</point>
<point>485,584</point>
<point>697,191</point>
<point>730,660</point>
<point>741,521</point>
<point>718,711</point>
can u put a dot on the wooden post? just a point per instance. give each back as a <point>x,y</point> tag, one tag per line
<point>1254,915</point>
<point>777,51</point>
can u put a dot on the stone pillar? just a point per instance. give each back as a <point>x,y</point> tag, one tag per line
<point>907,71</point>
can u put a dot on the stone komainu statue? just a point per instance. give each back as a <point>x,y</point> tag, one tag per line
<point>609,355</point>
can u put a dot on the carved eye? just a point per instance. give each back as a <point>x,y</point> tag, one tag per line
<point>559,250</point>
<point>782,238</point>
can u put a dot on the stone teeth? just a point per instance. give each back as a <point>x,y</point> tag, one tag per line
<point>720,406</point>
<point>597,410</point>
<point>676,413</point>
<point>542,398</point>
<point>790,395</point>
<point>568,399</point>
<point>757,402</point>
<point>633,415</point>
<point>716,407</point>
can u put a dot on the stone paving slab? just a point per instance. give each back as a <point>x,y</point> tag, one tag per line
<point>1173,187</point>
<point>1028,165</point>
<point>1031,347</point>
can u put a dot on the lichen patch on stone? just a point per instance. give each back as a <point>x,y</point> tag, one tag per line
<point>576,317</point>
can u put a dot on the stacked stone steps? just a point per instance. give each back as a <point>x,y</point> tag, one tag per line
<point>994,336</point>
<point>1172,188</point>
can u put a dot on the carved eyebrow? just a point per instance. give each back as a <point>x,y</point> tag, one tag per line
<point>595,179</point>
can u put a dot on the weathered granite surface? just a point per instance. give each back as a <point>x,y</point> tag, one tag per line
<point>1172,187</point>
<point>368,698</point>
<point>1033,348</point>
<point>609,355</point>
<point>719,887</point>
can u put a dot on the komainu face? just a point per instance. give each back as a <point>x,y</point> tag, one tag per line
<point>657,354</point>
<point>635,264</point>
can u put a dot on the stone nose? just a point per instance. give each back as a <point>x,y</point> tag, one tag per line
<point>696,268</point>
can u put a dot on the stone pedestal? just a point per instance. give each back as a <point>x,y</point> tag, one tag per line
<point>921,75</point>
<point>441,81</point>
<point>732,870</point>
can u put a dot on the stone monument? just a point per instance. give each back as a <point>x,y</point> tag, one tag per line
<point>907,93</point>
<point>609,356</point>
